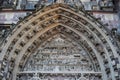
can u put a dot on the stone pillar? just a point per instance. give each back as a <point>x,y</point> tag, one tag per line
<point>119,14</point>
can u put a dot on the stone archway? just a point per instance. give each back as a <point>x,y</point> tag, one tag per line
<point>80,27</point>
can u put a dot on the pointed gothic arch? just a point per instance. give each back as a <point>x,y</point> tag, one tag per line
<point>79,26</point>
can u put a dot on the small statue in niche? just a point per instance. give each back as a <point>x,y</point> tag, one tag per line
<point>23,4</point>
<point>41,3</point>
<point>8,3</point>
<point>5,2</point>
<point>3,33</point>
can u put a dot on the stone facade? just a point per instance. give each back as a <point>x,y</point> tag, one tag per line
<point>60,41</point>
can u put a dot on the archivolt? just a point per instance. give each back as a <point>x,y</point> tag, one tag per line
<point>35,28</point>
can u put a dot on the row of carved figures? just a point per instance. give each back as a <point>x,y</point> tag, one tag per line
<point>59,77</point>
